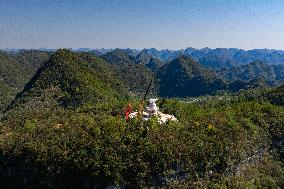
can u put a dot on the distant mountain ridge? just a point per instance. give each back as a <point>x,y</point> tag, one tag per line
<point>135,76</point>
<point>183,76</point>
<point>214,58</point>
<point>271,73</point>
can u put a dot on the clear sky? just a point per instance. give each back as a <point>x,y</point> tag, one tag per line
<point>171,24</point>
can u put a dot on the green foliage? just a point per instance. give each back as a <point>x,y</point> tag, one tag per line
<point>71,80</point>
<point>154,64</point>
<point>271,74</point>
<point>276,96</point>
<point>30,124</point>
<point>63,131</point>
<point>268,174</point>
<point>217,59</point>
<point>118,56</point>
<point>210,146</point>
<point>149,61</point>
<point>185,77</point>
<point>16,70</point>
<point>143,57</point>
<point>134,76</point>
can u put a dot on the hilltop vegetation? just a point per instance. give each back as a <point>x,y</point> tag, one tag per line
<point>134,76</point>
<point>217,59</point>
<point>185,77</point>
<point>16,69</point>
<point>66,129</point>
<point>273,74</point>
<point>136,70</point>
<point>219,143</point>
<point>191,79</point>
<point>70,80</point>
<point>276,96</point>
<point>154,64</point>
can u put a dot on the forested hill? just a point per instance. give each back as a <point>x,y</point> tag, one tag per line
<point>185,77</point>
<point>143,57</point>
<point>67,129</point>
<point>154,64</point>
<point>276,96</point>
<point>217,59</point>
<point>70,80</point>
<point>221,56</point>
<point>16,69</point>
<point>118,56</point>
<point>136,77</point>
<point>273,74</point>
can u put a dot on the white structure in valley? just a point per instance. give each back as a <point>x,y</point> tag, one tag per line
<point>153,110</point>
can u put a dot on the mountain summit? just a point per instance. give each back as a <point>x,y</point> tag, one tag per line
<point>135,76</point>
<point>71,80</point>
<point>185,77</point>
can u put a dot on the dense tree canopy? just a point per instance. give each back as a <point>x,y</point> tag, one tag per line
<point>66,128</point>
<point>16,69</point>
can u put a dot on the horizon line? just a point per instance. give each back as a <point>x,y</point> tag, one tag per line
<point>113,48</point>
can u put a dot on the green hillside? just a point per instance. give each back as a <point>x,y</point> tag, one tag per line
<point>217,59</point>
<point>276,96</point>
<point>154,64</point>
<point>16,69</point>
<point>273,74</point>
<point>220,142</point>
<point>185,77</point>
<point>70,80</point>
<point>143,57</point>
<point>135,77</point>
<point>66,129</point>
<point>118,56</point>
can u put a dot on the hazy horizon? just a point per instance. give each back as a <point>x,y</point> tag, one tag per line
<point>139,49</point>
<point>160,24</point>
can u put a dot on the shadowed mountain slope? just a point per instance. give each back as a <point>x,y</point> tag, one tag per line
<point>273,74</point>
<point>136,77</point>
<point>185,77</point>
<point>70,80</point>
<point>16,69</point>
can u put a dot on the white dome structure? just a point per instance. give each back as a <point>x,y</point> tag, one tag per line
<point>153,110</point>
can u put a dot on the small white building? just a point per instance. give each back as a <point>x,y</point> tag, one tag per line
<point>153,110</point>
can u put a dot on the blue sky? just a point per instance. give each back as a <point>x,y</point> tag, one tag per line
<point>163,24</point>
